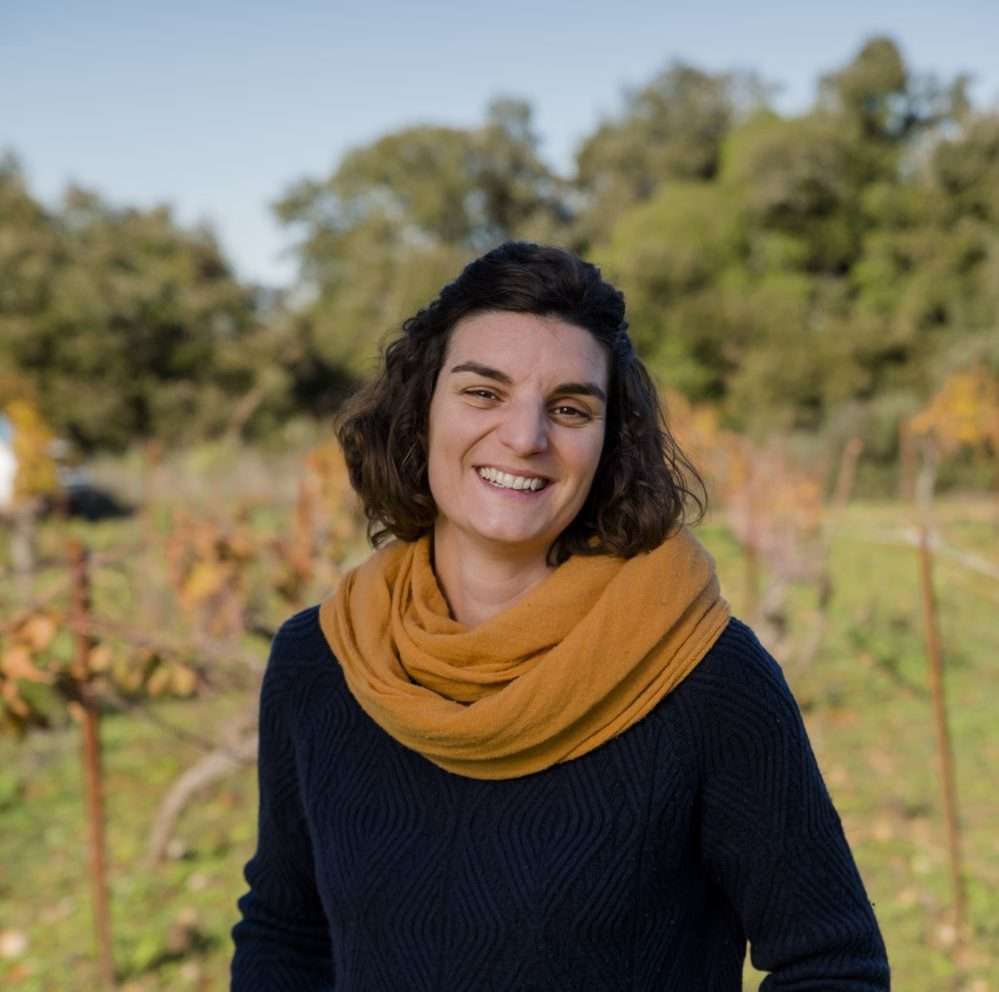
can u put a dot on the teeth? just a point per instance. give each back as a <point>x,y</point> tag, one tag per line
<point>508,481</point>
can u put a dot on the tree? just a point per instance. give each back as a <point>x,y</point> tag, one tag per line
<point>965,168</point>
<point>884,100</point>
<point>798,179</point>
<point>29,251</point>
<point>668,255</point>
<point>119,317</point>
<point>671,129</point>
<point>398,217</point>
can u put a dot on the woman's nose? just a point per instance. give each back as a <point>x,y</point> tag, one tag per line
<point>525,428</point>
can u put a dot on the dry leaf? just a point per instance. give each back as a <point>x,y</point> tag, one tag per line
<point>16,663</point>
<point>38,630</point>
<point>99,658</point>
<point>184,680</point>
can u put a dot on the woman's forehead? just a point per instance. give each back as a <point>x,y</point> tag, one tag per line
<point>521,343</point>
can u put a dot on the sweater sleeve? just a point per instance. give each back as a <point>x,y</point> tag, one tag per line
<point>771,838</point>
<point>282,941</point>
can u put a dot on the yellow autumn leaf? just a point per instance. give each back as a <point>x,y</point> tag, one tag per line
<point>964,413</point>
<point>16,663</point>
<point>99,658</point>
<point>36,471</point>
<point>206,579</point>
<point>38,630</point>
<point>12,699</point>
<point>184,680</point>
<point>159,682</point>
<point>129,676</point>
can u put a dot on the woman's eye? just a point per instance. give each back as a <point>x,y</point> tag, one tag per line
<point>562,410</point>
<point>573,412</point>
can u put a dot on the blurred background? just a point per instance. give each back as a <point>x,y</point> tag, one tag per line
<point>212,215</point>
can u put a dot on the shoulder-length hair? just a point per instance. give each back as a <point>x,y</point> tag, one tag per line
<point>643,481</point>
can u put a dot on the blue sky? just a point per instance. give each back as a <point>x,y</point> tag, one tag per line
<point>216,107</point>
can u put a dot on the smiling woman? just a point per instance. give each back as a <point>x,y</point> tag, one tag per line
<point>525,745</point>
<point>519,290</point>
<point>516,429</point>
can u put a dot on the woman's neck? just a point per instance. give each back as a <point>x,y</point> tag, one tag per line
<point>478,582</point>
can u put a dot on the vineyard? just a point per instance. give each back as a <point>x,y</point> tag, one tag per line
<point>131,650</point>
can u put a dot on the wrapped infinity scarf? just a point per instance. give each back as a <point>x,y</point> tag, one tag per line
<point>573,663</point>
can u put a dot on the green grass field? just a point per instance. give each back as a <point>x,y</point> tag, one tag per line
<point>866,705</point>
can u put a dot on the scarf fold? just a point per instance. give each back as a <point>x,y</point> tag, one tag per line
<point>576,661</point>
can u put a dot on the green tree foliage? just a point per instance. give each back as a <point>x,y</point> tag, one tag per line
<point>884,101</point>
<point>670,255</point>
<point>828,268</point>
<point>397,218</point>
<point>126,325</point>
<point>797,182</point>
<point>821,272</point>
<point>965,171</point>
<point>28,252</point>
<point>670,129</point>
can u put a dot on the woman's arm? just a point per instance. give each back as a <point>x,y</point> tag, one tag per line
<point>772,840</point>
<point>282,941</point>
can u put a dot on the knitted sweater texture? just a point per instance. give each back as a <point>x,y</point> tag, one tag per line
<point>646,864</point>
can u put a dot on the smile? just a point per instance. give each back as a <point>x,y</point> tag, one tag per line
<point>504,480</point>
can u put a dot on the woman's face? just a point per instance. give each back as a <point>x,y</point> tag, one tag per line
<point>516,429</point>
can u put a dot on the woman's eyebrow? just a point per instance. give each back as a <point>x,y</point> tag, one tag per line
<point>570,388</point>
<point>483,370</point>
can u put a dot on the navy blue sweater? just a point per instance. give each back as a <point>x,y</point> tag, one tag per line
<point>644,865</point>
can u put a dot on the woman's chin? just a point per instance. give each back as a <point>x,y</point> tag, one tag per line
<point>514,541</point>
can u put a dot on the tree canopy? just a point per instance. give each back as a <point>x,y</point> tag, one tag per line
<point>820,272</point>
<point>126,325</point>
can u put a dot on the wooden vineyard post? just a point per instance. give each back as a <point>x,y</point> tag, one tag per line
<point>906,463</point>
<point>945,749</point>
<point>925,484</point>
<point>84,708</point>
<point>847,472</point>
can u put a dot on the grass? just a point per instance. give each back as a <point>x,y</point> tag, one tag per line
<point>866,706</point>
<point>169,924</point>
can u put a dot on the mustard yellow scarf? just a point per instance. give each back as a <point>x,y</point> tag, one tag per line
<point>576,661</point>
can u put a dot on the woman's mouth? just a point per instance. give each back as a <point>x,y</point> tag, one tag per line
<point>516,485</point>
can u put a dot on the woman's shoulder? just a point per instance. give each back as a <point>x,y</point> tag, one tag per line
<point>298,644</point>
<point>299,626</point>
<point>738,662</point>
<point>737,691</point>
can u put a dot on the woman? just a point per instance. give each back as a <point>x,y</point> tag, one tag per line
<point>524,745</point>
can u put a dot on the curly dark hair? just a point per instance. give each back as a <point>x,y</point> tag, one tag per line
<point>643,481</point>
